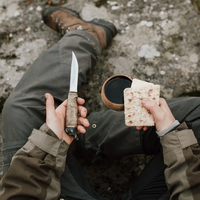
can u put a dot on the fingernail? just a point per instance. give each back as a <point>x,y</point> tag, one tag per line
<point>46,95</point>
<point>144,102</point>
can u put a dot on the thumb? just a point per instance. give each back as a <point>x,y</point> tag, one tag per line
<point>154,109</point>
<point>50,109</point>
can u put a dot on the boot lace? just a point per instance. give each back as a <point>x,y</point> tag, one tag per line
<point>62,28</point>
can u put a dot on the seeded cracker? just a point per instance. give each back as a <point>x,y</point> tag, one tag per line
<point>135,113</point>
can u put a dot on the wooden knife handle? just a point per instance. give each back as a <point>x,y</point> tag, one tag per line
<point>72,115</point>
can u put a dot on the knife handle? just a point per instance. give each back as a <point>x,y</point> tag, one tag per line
<point>72,115</point>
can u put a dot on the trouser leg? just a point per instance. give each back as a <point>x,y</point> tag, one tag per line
<point>25,108</point>
<point>151,182</point>
<point>109,136</point>
<point>75,185</point>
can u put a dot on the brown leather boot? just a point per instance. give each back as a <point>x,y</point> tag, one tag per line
<point>63,20</point>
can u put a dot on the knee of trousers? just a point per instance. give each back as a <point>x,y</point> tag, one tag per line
<point>20,115</point>
<point>10,143</point>
<point>109,136</point>
<point>19,120</point>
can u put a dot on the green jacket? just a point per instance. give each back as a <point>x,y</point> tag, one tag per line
<point>182,157</point>
<point>39,164</point>
<point>36,168</point>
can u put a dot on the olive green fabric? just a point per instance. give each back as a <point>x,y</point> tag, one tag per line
<point>182,157</point>
<point>41,163</point>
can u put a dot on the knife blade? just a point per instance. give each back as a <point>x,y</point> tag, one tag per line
<point>72,107</point>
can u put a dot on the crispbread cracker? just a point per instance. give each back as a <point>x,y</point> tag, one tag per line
<point>136,83</point>
<point>135,113</point>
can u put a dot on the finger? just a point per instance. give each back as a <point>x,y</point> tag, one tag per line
<point>50,109</point>
<point>80,101</point>
<point>165,107</point>
<point>62,108</point>
<point>139,127</point>
<point>145,128</point>
<point>154,109</point>
<point>83,121</point>
<point>82,110</point>
<point>151,106</point>
<point>142,127</point>
<point>167,110</point>
<point>81,129</point>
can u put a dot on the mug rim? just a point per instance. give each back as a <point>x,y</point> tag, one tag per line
<point>106,101</point>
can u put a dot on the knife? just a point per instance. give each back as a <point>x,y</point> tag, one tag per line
<point>72,107</point>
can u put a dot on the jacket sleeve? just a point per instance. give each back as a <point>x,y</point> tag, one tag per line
<point>182,157</point>
<point>36,169</point>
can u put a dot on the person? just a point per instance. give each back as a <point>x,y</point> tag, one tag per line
<point>43,166</point>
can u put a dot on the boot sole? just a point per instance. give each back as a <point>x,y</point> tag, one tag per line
<point>109,28</point>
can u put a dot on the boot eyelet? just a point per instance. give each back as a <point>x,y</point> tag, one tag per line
<point>79,28</point>
<point>60,24</point>
<point>68,29</point>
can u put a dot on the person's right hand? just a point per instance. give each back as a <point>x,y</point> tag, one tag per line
<point>55,118</point>
<point>161,113</point>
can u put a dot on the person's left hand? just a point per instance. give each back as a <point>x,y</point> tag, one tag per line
<point>161,113</point>
<point>55,118</point>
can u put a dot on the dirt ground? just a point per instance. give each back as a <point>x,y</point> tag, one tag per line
<point>157,41</point>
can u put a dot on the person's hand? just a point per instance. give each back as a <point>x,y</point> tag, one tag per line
<point>55,118</point>
<point>161,113</point>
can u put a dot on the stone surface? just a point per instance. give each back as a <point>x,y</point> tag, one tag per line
<point>157,41</point>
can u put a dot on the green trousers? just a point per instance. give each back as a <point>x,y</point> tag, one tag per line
<point>25,110</point>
